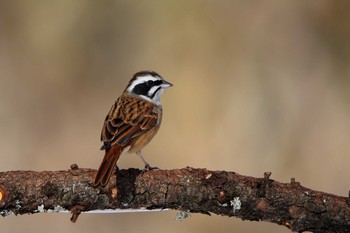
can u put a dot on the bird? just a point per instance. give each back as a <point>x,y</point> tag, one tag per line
<point>132,122</point>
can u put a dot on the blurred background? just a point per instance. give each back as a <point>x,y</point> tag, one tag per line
<point>258,86</point>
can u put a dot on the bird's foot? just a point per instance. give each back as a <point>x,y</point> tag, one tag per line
<point>148,167</point>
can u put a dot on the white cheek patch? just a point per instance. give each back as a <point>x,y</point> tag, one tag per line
<point>152,90</point>
<point>156,98</point>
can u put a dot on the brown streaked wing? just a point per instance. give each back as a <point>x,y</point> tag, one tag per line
<point>128,118</point>
<point>105,136</point>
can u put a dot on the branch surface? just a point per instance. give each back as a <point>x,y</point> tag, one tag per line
<point>188,189</point>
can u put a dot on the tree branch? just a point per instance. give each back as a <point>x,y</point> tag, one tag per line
<point>189,190</point>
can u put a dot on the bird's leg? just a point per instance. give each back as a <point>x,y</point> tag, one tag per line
<point>147,166</point>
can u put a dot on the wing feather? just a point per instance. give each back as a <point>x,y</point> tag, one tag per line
<point>129,117</point>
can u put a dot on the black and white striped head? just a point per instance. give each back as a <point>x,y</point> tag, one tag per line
<point>148,85</point>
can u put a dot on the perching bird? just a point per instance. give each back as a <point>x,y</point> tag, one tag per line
<point>132,121</point>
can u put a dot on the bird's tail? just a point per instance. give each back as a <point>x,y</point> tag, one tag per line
<point>107,166</point>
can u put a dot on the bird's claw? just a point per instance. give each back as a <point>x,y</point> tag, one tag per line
<point>148,167</point>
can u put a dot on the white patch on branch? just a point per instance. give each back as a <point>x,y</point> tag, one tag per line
<point>18,205</point>
<point>182,215</point>
<point>41,208</point>
<point>5,213</point>
<point>236,204</point>
<point>57,209</point>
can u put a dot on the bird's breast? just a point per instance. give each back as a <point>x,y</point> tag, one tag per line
<point>141,141</point>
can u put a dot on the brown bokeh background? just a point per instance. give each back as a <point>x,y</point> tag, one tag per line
<point>258,86</point>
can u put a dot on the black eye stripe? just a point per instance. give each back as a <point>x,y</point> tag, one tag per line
<point>151,83</point>
<point>143,88</point>
<point>140,89</point>
<point>157,83</point>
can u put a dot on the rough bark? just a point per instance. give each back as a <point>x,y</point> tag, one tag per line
<point>189,190</point>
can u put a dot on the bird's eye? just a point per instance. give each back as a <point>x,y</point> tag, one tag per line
<point>149,83</point>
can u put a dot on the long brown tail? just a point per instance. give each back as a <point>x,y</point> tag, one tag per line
<point>107,166</point>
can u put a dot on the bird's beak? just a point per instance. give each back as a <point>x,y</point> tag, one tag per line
<point>166,84</point>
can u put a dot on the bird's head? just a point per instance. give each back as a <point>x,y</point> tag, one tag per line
<point>148,85</point>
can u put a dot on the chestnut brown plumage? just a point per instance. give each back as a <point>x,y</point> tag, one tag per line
<point>132,121</point>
